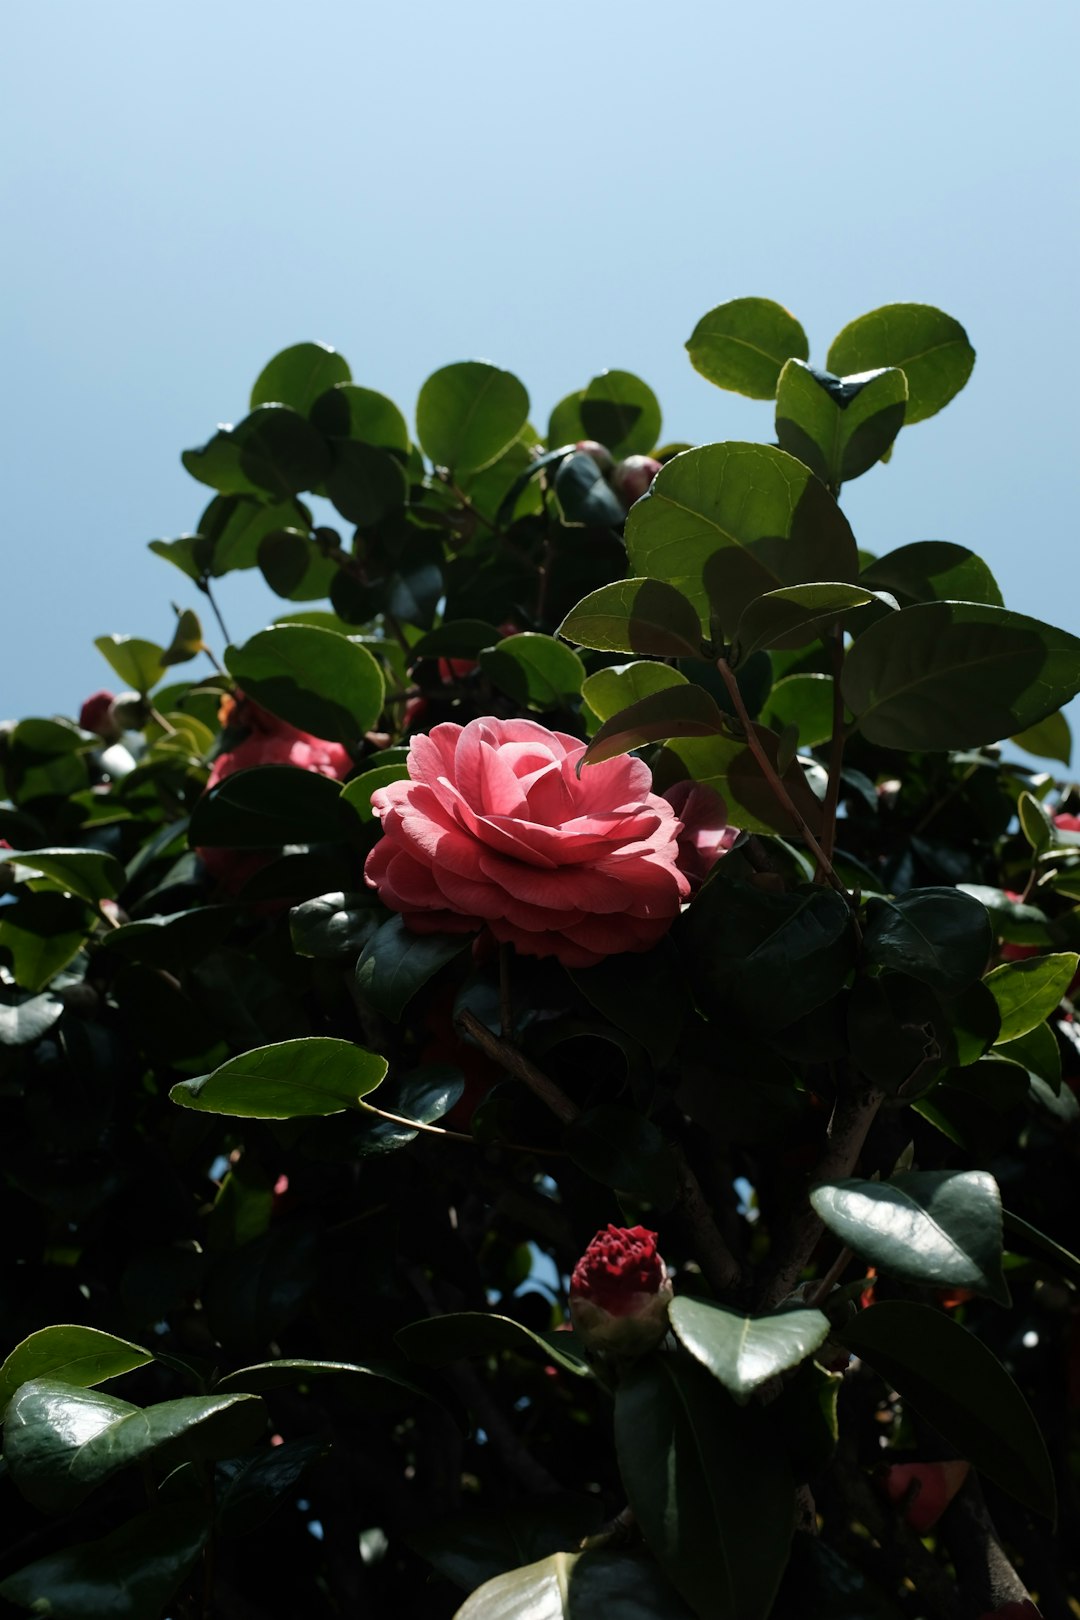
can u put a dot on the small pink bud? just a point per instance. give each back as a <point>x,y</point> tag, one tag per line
<point>600,454</point>
<point>96,715</point>
<point>620,1292</point>
<point>633,478</point>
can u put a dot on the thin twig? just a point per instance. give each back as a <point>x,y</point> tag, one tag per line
<point>208,593</point>
<point>836,754</point>
<point>519,1066</point>
<point>824,1287</point>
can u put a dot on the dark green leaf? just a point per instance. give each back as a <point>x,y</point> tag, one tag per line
<point>42,932</point>
<point>187,640</point>
<point>318,681</point>
<point>83,1356</point>
<point>1036,822</point>
<point>254,1486</point>
<point>937,935</point>
<point>930,348</point>
<point>366,484</point>
<point>578,1586</point>
<point>727,522</point>
<point>933,571</point>
<point>128,1575</point>
<point>794,615</point>
<point>457,638</point>
<point>25,1019</point>
<point>729,767</point>
<point>805,701</point>
<point>396,963</point>
<point>234,526</point>
<point>333,926</point>
<point>468,414</point>
<point>746,1351</point>
<point>1027,992</point>
<point>288,1371</point>
<point>938,1229</point>
<point>275,450</point>
<point>616,687</point>
<point>643,994</point>
<point>744,343</point>
<point>635,615</point>
<point>621,412</point>
<point>1039,1053</point>
<point>267,806</point>
<point>88,873</point>
<point>537,671</point>
<point>348,411</point>
<point>314,1075</point>
<point>138,663</point>
<point>720,1533</point>
<point>294,566</point>
<point>1048,739</point>
<point>959,1386</point>
<point>425,1094</point>
<point>298,375</point>
<point>620,1148</point>
<point>1024,1237</point>
<point>675,711</point>
<point>440,1340</point>
<point>839,426</point>
<point>1010,919</point>
<point>585,497</point>
<point>944,675</point>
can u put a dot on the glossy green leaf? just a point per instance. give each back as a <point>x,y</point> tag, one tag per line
<point>1039,1053</point>
<point>357,795</point>
<point>804,701</point>
<point>795,614</point>
<point>618,686</point>
<point>1028,992</point>
<point>270,805</point>
<point>42,932</point>
<point>348,411</point>
<point>60,1442</point>
<point>1024,1237</point>
<point>621,412</point>
<point>944,675</point>
<point>839,426</point>
<point>1036,822</point>
<point>933,571</point>
<point>744,344</point>
<point>744,1352</point>
<point>577,1586</point>
<point>425,1094</point>
<point>1011,920</point>
<point>77,1355</point>
<point>138,663</point>
<point>957,1384</point>
<point>365,483</point>
<point>294,566</point>
<point>274,450</point>
<point>727,522</point>
<point>89,873</point>
<point>586,499</point>
<point>469,413</point>
<point>537,671</point>
<point>290,1080</point>
<point>298,375</point>
<point>1047,739</point>
<point>938,935</point>
<point>130,1574</point>
<point>642,993</point>
<point>440,1340</point>
<point>234,526</point>
<point>930,348</point>
<point>635,615</point>
<point>314,679</point>
<point>675,711</point>
<point>172,939</point>
<point>248,1489</point>
<point>937,1229</point>
<point>728,766</point>
<point>25,1019</point>
<point>289,1371</point>
<point>721,1533</point>
<point>457,638</point>
<point>396,963</point>
<point>620,1148</point>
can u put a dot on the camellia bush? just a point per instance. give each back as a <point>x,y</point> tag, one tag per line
<point>542,1083</point>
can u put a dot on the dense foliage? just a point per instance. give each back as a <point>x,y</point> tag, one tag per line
<point>354,977</point>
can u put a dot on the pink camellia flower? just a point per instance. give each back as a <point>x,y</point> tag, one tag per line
<point>494,826</point>
<point>633,477</point>
<point>706,834</point>
<point>96,715</point>
<point>1064,822</point>
<point>620,1292</point>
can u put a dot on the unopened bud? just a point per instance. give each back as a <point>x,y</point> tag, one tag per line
<point>96,715</point>
<point>633,478</point>
<point>600,454</point>
<point>620,1292</point>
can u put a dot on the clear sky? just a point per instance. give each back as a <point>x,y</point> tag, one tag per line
<point>188,187</point>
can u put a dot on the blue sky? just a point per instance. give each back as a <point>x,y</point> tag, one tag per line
<point>189,188</point>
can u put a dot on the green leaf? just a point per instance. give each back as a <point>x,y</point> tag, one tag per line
<point>366,484</point>
<point>618,686</point>
<point>294,566</point>
<point>635,615</point>
<point>299,375</point>
<point>537,671</point>
<point>1047,739</point>
<point>290,1080</point>
<point>468,414</point>
<point>129,1574</point>
<point>357,795</point>
<point>577,1586</point>
<point>727,765</point>
<point>937,935</point>
<point>944,675</point>
<point>191,553</point>
<point>675,711</point>
<point>89,873</point>
<point>804,701</point>
<point>348,411</point>
<point>25,1019</point>
<point>727,522</point>
<point>253,1486</point>
<point>643,993</point>
<point>457,638</point>
<point>172,940</point>
<point>621,412</point>
<point>744,1352</point>
<point>935,1228</point>
<point>586,499</point>
<point>396,963</point>
<point>187,640</point>
<point>440,1340</point>
<point>316,680</point>
<point>721,1533</point>
<point>42,932</point>
<point>1039,1053</point>
<point>620,1148</point>
<point>267,806</point>
<point>565,426</point>
<point>839,426</point>
<point>796,614</point>
<point>1024,1236</point>
<point>60,1442</point>
<point>1010,919</point>
<point>425,1094</point>
<point>77,1355</point>
<point>958,1385</point>
<point>933,571</point>
<point>234,526</point>
<point>275,450</point>
<point>930,348</point>
<point>1028,992</point>
<point>743,344</point>
<point>742,943</point>
<point>289,1371</point>
<point>139,664</point>
<point>1036,822</point>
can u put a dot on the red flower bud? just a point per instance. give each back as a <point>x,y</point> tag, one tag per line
<point>1064,822</point>
<point>936,1483</point>
<point>633,478</point>
<point>600,454</point>
<point>96,715</point>
<point>620,1292</point>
